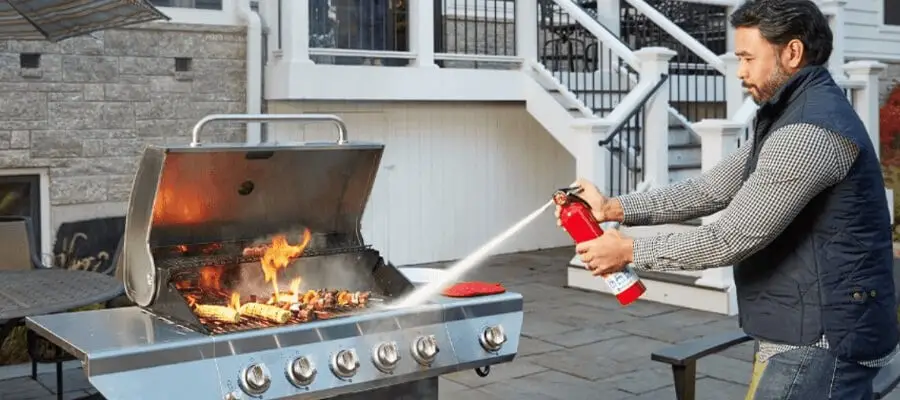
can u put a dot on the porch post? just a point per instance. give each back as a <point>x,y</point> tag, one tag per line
<point>592,160</point>
<point>295,35</point>
<point>865,100</point>
<point>527,30</point>
<point>422,32</point>
<point>654,63</point>
<point>719,138</point>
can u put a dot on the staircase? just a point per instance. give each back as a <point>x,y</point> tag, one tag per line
<point>584,72</point>
<point>582,68</point>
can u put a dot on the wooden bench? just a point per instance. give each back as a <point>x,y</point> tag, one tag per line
<point>683,359</point>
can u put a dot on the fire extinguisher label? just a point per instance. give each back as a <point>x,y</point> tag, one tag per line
<point>620,281</point>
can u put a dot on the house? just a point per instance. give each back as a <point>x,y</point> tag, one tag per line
<point>485,107</point>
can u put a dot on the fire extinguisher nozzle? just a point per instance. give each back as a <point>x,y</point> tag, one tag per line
<point>571,190</point>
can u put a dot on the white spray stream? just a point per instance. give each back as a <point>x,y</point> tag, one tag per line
<point>459,269</point>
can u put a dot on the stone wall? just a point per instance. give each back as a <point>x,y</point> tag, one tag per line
<point>91,106</point>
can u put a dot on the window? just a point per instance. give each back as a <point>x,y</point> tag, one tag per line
<point>200,4</point>
<point>20,196</point>
<point>892,12</point>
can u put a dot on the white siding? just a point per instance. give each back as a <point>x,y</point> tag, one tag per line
<point>452,176</point>
<point>866,37</point>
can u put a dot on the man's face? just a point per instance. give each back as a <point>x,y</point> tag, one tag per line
<point>761,70</point>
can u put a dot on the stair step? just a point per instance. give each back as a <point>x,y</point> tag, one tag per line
<point>678,136</point>
<point>684,156</point>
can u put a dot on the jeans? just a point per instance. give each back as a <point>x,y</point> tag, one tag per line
<point>810,373</point>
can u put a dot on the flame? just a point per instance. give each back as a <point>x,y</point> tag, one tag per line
<point>295,289</point>
<point>235,302</point>
<point>295,285</point>
<point>278,255</point>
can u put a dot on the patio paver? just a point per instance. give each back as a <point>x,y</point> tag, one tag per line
<point>576,345</point>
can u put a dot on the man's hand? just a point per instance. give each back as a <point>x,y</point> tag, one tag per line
<point>603,208</point>
<point>606,254</point>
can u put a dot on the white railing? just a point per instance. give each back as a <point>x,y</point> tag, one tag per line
<point>686,89</point>
<point>679,34</point>
<point>468,34</point>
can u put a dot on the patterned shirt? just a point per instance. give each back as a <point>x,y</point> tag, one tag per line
<point>795,164</point>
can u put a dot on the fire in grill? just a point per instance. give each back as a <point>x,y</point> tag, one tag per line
<point>222,307</point>
<point>251,279</point>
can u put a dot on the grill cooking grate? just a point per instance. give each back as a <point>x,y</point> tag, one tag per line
<point>216,327</point>
<point>231,259</point>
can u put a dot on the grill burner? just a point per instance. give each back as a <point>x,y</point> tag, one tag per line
<point>192,249</point>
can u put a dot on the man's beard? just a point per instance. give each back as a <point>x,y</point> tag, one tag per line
<point>768,89</point>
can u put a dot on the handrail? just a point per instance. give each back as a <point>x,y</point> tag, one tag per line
<point>679,34</point>
<point>563,91</point>
<point>619,123</point>
<point>672,111</point>
<point>600,32</point>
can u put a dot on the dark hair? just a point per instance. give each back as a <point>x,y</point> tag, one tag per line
<point>780,21</point>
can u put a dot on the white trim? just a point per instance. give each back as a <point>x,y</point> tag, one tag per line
<point>323,51</point>
<point>44,191</point>
<point>183,15</point>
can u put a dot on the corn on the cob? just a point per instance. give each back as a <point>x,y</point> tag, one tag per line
<point>265,311</point>
<point>219,313</point>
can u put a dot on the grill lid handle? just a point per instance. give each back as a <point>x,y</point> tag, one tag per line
<point>341,126</point>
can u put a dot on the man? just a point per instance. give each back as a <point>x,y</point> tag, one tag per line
<point>804,218</point>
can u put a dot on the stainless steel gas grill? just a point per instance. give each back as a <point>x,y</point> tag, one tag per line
<point>252,280</point>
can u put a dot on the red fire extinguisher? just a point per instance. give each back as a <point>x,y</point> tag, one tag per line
<point>576,218</point>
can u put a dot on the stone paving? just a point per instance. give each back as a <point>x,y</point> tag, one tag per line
<point>576,345</point>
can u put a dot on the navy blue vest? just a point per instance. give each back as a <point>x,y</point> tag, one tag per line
<point>830,271</point>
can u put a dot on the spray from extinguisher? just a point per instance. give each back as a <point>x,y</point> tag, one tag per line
<point>576,218</point>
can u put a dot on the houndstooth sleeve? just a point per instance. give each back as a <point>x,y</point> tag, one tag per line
<point>795,164</point>
<point>688,199</point>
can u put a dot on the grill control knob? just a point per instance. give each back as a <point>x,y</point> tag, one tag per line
<point>493,338</point>
<point>345,363</point>
<point>385,356</point>
<point>425,349</point>
<point>301,371</point>
<point>255,379</point>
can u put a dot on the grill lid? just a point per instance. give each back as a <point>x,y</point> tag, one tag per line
<point>204,193</point>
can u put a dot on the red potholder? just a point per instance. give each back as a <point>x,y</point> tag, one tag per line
<point>473,289</point>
